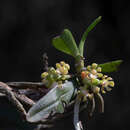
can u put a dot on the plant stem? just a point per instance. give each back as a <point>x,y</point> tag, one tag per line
<point>79,64</point>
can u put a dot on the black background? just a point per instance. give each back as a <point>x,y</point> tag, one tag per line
<point>26,30</point>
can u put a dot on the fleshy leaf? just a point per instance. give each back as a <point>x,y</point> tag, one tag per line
<point>51,102</point>
<point>110,66</point>
<point>59,44</point>
<point>91,26</point>
<point>66,43</point>
<point>70,42</point>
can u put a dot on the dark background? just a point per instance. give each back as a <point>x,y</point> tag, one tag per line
<point>26,30</point>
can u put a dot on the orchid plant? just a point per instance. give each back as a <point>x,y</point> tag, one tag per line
<point>86,84</point>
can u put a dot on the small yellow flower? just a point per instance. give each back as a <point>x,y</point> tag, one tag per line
<point>99,69</point>
<point>44,74</point>
<point>67,66</point>
<point>62,63</point>
<point>88,67</point>
<point>63,70</point>
<point>58,65</point>
<point>94,65</point>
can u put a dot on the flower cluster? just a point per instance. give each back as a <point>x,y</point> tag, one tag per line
<point>94,81</point>
<point>58,75</point>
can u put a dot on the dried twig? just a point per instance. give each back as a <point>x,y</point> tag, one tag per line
<point>45,62</point>
<point>24,99</point>
<point>5,89</point>
<point>2,95</point>
<point>26,85</point>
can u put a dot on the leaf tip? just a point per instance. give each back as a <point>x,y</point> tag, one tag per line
<point>99,18</point>
<point>66,31</point>
<point>120,61</point>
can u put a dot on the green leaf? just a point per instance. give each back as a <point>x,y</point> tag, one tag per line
<point>110,66</point>
<point>66,43</point>
<point>91,26</point>
<point>60,45</point>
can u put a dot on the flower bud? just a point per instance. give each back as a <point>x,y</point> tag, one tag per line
<point>83,74</point>
<point>67,66</point>
<point>94,65</point>
<point>100,75</point>
<point>88,67</point>
<point>44,74</point>
<point>95,81</point>
<point>63,70</point>
<point>99,69</point>
<point>103,91</point>
<point>58,65</point>
<point>52,70</point>
<point>62,63</point>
